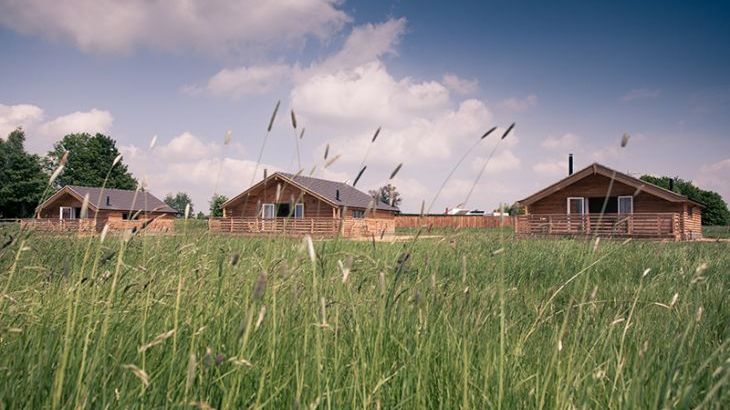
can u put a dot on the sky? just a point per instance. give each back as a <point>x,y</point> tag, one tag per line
<point>434,76</point>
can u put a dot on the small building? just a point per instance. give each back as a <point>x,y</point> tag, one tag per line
<point>287,203</point>
<point>119,208</point>
<point>600,201</point>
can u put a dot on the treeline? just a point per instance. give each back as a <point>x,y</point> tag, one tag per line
<point>89,160</point>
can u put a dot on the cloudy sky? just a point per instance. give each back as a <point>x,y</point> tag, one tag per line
<point>574,77</point>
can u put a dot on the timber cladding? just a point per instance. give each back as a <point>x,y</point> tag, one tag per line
<point>597,186</point>
<point>249,204</point>
<point>452,221</point>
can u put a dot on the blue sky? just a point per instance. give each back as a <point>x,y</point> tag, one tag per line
<point>574,76</point>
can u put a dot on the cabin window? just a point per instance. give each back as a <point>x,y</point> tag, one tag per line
<point>66,212</point>
<point>283,210</point>
<point>576,205</point>
<point>299,211</point>
<point>358,213</point>
<point>626,204</point>
<point>267,211</point>
<point>691,211</point>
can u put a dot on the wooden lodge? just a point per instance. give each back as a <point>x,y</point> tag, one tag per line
<point>599,201</point>
<point>119,208</point>
<point>284,203</point>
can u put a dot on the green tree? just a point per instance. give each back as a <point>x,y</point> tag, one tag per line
<point>178,203</point>
<point>90,159</point>
<point>388,194</point>
<point>22,180</point>
<point>715,211</point>
<point>216,205</point>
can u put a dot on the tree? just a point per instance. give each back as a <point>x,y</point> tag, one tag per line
<point>716,211</point>
<point>388,194</point>
<point>90,159</point>
<point>22,180</point>
<point>178,203</point>
<point>216,205</point>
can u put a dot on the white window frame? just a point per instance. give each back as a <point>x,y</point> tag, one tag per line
<point>271,207</point>
<point>631,199</point>
<point>582,204</point>
<point>70,208</point>
<point>299,209</point>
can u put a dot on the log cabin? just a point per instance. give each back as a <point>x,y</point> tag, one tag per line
<point>600,201</point>
<point>119,208</point>
<point>284,202</point>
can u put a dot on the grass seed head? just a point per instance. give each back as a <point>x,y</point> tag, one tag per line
<point>260,319</point>
<point>139,373</point>
<point>260,286</point>
<point>625,139</point>
<point>310,248</point>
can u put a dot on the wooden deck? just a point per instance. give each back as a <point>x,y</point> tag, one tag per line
<point>639,225</point>
<point>304,226</point>
<point>452,221</point>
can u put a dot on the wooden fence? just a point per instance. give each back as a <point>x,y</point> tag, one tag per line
<point>303,226</point>
<point>55,225</point>
<point>452,221</point>
<point>650,225</point>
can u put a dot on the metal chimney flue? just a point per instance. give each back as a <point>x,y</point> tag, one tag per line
<point>671,184</point>
<point>570,164</point>
<point>108,200</point>
<point>337,194</point>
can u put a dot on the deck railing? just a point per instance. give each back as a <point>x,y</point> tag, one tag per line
<point>303,226</point>
<point>638,225</point>
<point>59,225</point>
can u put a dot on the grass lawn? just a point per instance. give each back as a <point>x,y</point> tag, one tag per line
<point>473,319</point>
<point>721,232</point>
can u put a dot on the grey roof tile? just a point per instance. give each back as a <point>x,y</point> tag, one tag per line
<point>121,199</point>
<point>349,196</point>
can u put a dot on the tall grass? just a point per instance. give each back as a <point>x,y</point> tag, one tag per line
<point>470,319</point>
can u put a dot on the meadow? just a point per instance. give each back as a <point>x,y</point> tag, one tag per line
<point>469,319</point>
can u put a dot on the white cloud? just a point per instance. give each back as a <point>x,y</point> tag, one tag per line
<point>640,93</point>
<point>716,177</point>
<point>188,164</point>
<point>368,93</point>
<point>500,162</point>
<point>551,168</point>
<point>520,104</point>
<point>211,26</point>
<point>80,121</point>
<point>364,44</point>
<point>21,115</point>
<point>460,85</point>
<point>40,135</point>
<point>563,142</point>
<point>238,82</point>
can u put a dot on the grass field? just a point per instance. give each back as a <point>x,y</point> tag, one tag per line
<point>470,320</point>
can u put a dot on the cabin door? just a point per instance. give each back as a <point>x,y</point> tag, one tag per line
<point>576,211</point>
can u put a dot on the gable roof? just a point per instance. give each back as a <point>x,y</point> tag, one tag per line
<point>119,199</point>
<point>325,190</point>
<point>598,169</point>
